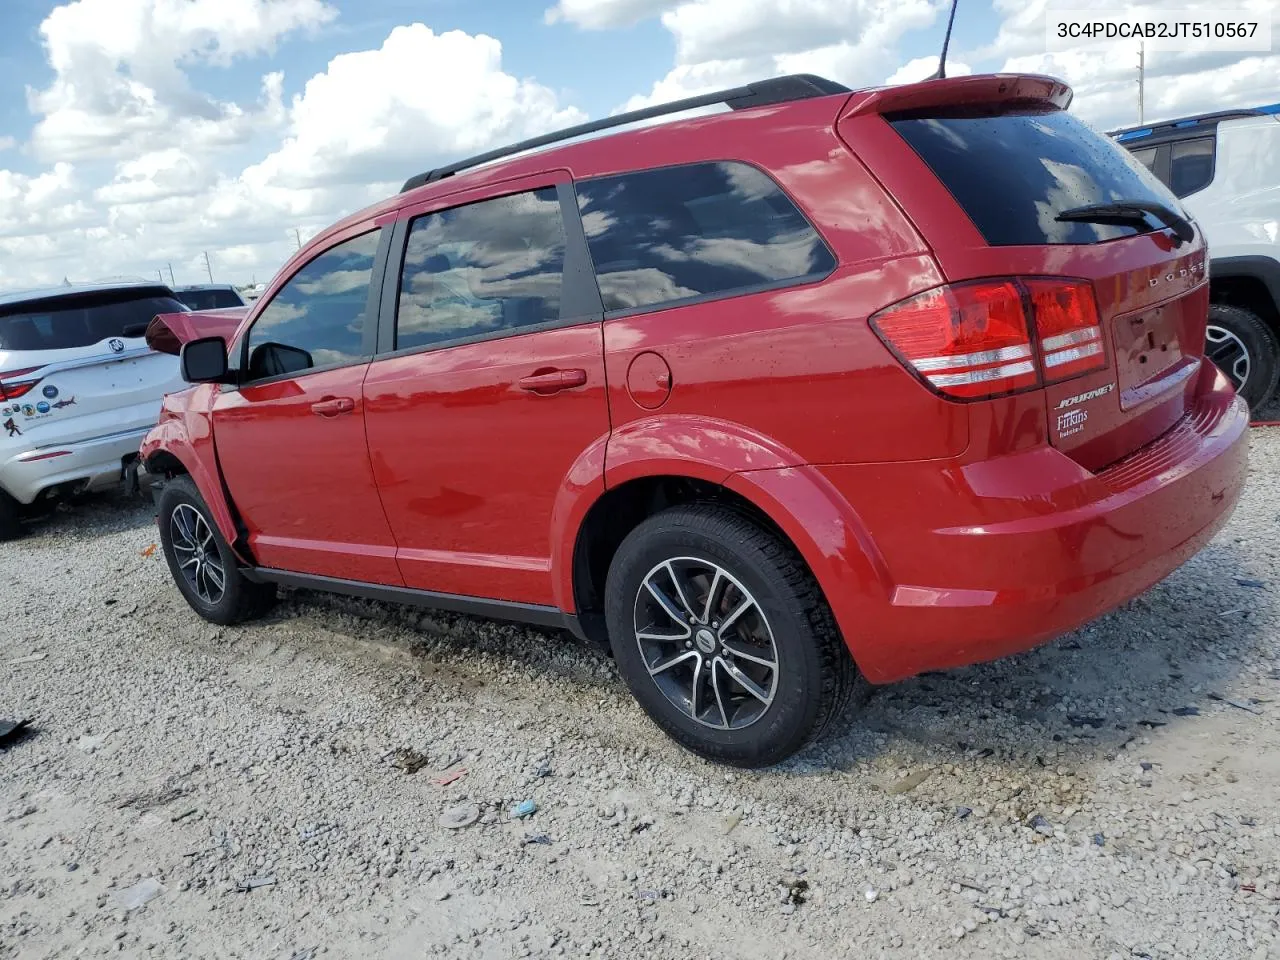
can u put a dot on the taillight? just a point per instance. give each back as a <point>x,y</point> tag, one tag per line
<point>1068,324</point>
<point>975,340</point>
<point>12,386</point>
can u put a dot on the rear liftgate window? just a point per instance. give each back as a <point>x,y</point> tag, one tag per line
<point>1013,173</point>
<point>683,233</point>
<point>78,321</point>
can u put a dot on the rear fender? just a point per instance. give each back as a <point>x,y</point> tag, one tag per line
<point>798,499</point>
<point>185,432</point>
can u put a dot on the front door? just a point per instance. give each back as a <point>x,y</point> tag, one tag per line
<point>491,390</point>
<point>290,438</point>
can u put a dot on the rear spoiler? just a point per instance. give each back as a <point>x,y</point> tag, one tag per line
<point>167,332</point>
<point>991,89</point>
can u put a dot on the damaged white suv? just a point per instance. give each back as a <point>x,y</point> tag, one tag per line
<point>1225,167</point>
<point>79,388</point>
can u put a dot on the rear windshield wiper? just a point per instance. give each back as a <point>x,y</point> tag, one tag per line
<point>1130,213</point>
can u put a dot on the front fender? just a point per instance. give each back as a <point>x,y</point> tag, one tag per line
<point>185,432</point>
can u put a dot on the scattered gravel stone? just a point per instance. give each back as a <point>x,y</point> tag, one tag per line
<point>268,750</point>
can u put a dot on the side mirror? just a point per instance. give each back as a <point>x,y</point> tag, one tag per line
<point>205,361</point>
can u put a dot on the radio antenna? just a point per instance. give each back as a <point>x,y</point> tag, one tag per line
<point>946,42</point>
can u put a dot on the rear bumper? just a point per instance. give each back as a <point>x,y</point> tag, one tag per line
<point>91,464</point>
<point>1056,547</point>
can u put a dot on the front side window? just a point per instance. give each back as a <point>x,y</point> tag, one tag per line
<point>317,319</point>
<point>677,233</point>
<point>485,268</point>
<point>1190,166</point>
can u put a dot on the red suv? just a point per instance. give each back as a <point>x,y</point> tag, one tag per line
<point>826,385</point>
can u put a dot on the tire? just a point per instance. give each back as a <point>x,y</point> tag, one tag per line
<point>813,678</point>
<point>1243,346</point>
<point>184,522</point>
<point>10,518</point>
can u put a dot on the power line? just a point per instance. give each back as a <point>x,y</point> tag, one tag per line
<point>208,266</point>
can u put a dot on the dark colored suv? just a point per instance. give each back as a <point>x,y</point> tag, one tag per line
<point>832,384</point>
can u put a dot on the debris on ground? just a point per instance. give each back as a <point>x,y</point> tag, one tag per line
<point>149,550</point>
<point>538,838</point>
<point>1238,704</point>
<point>525,808</point>
<point>963,813</point>
<point>1185,711</point>
<point>871,894</point>
<point>908,783</point>
<point>138,895</point>
<point>455,818</point>
<point>449,776</point>
<point>1040,825</point>
<point>1099,840</point>
<point>410,761</point>
<point>184,815</point>
<point>29,658</point>
<point>794,890</point>
<point>1250,582</point>
<point>1094,722</point>
<point>253,883</point>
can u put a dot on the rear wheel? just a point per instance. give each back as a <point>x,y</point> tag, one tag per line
<point>724,638</point>
<point>10,517</point>
<point>204,568</point>
<point>1243,347</point>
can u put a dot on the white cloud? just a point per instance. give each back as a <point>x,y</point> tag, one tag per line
<point>723,43</point>
<point>394,116</point>
<point>605,14</point>
<point>119,87</point>
<point>922,68</point>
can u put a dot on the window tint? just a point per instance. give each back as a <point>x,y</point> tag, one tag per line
<point>316,319</point>
<point>78,321</point>
<point>1014,173</point>
<point>661,236</point>
<point>210,299</point>
<point>486,267</point>
<point>1191,166</point>
<point>1146,157</point>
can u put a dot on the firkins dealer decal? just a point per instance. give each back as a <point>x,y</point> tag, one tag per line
<point>1072,420</point>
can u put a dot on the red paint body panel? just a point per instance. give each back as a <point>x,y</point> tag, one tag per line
<point>941,532</point>
<point>303,483</point>
<point>470,466</point>
<point>167,332</point>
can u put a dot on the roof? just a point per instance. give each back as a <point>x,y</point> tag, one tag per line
<point>1188,126</point>
<point>8,298</point>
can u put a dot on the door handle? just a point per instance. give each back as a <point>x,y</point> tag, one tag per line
<point>333,406</point>
<point>553,381</point>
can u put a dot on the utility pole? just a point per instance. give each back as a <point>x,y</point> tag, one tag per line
<point>171,280</point>
<point>297,236</point>
<point>159,275</point>
<point>208,266</point>
<point>1142,80</point>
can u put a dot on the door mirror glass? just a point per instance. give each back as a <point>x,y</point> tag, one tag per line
<point>277,359</point>
<point>205,361</point>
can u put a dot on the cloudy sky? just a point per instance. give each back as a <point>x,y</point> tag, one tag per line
<point>135,134</point>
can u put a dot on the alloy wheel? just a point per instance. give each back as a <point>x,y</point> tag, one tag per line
<point>706,643</point>
<point>197,554</point>
<point>1229,354</point>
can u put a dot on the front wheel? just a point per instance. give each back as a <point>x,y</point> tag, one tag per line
<point>1243,346</point>
<point>204,568</point>
<point>723,637</point>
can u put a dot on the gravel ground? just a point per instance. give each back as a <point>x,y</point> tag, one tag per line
<point>1110,795</point>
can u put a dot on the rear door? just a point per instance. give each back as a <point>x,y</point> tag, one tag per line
<point>1012,170</point>
<point>70,371</point>
<point>290,438</point>
<point>489,391</point>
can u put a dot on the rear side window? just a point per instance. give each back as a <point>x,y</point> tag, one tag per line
<point>317,318</point>
<point>210,299</point>
<point>1190,166</point>
<point>69,323</point>
<point>707,229</point>
<point>1013,173</point>
<point>482,269</point>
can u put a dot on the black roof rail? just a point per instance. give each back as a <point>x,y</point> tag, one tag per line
<point>1143,130</point>
<point>799,86</point>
